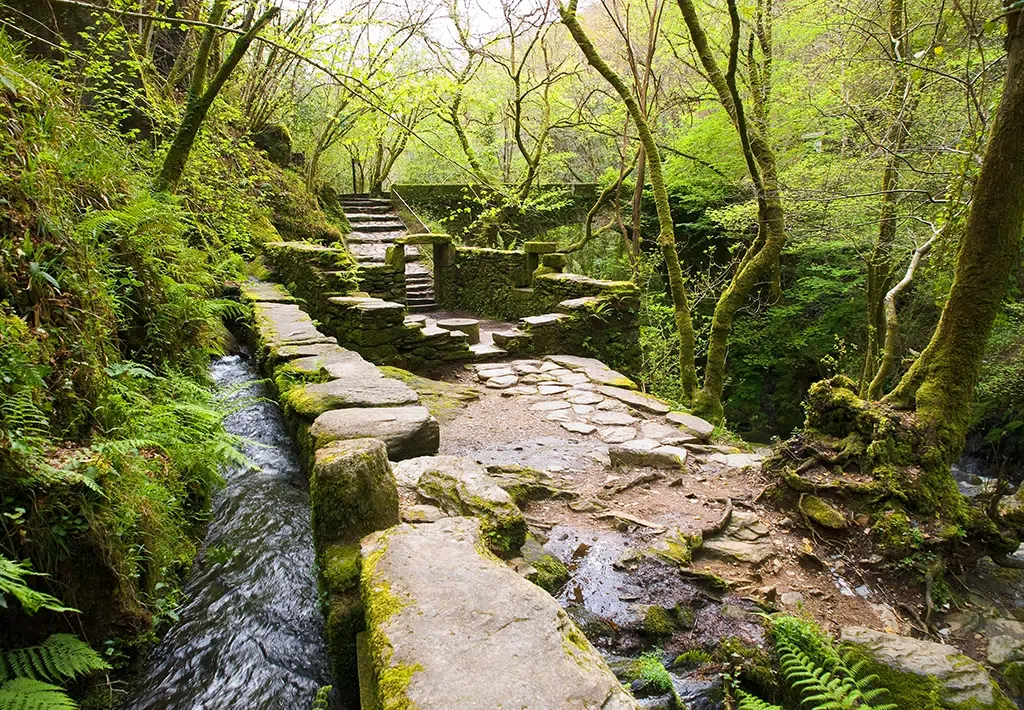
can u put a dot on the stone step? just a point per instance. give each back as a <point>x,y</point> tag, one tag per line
<point>486,350</point>
<point>390,226</point>
<point>423,307</point>
<point>367,209</point>
<point>359,217</point>
<point>363,238</point>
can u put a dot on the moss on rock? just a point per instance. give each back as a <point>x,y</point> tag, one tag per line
<point>823,513</point>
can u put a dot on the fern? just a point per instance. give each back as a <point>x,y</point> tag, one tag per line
<point>824,678</point>
<point>746,701</point>
<point>12,582</point>
<point>22,418</point>
<point>60,657</point>
<point>320,701</point>
<point>29,694</point>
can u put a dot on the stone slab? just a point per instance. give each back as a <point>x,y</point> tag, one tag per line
<point>700,428</point>
<point>636,400</point>
<point>649,453</point>
<point>407,431</point>
<point>464,631</point>
<point>370,389</point>
<point>613,419</point>
<point>255,291</point>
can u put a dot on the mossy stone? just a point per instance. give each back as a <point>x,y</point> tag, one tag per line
<point>352,490</point>
<point>823,513</point>
<point>658,622</point>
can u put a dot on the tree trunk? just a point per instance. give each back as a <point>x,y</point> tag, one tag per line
<point>666,231</point>
<point>199,104</point>
<point>940,384</point>
<point>762,257</point>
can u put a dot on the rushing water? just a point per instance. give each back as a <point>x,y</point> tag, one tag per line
<point>250,634</point>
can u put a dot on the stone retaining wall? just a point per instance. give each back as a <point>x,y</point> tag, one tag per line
<point>557,312</point>
<point>372,322</point>
<point>349,420</point>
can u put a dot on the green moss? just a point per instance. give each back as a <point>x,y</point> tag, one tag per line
<point>922,692</point>
<point>650,670</point>
<point>1014,675</point>
<point>444,400</point>
<point>381,604</point>
<point>340,567</point>
<point>658,622</point>
<point>678,547</point>
<point>895,535</point>
<point>823,513</point>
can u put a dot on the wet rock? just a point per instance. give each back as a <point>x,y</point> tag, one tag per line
<point>700,428</point>
<point>451,628</point>
<point>823,513</point>
<point>616,434</point>
<point>460,486</point>
<point>422,514</point>
<point>549,572</point>
<point>407,431</point>
<point>926,675</point>
<point>636,400</point>
<point>647,452</point>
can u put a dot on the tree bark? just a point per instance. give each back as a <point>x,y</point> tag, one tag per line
<point>666,231</point>
<point>763,255</point>
<point>939,386</point>
<point>199,103</point>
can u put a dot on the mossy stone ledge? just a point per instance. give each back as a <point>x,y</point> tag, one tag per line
<point>450,626</point>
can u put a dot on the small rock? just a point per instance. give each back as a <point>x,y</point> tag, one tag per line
<point>579,427</point>
<point>791,598</point>
<point>502,382</point>
<point>583,397</point>
<point>550,406</point>
<point>616,434</point>
<point>613,419</point>
<point>582,409</point>
<point>559,416</point>
<point>551,389</point>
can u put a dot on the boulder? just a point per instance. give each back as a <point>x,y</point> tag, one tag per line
<point>461,486</point>
<point>352,490</point>
<point>525,484</point>
<point>1005,640</point>
<point>647,452</point>
<point>407,431</point>
<point>367,389</point>
<point>636,400</point>
<point>925,675</point>
<point>695,425</point>
<point>451,627</point>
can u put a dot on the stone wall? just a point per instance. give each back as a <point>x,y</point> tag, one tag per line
<point>557,312</point>
<point>362,306</point>
<point>349,420</point>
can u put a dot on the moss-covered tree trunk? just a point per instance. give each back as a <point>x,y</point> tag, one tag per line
<point>939,386</point>
<point>200,99</point>
<point>666,228</point>
<point>761,259</point>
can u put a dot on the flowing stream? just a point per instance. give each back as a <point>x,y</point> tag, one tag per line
<point>250,633</point>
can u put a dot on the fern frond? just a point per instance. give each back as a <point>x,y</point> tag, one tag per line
<point>746,701</point>
<point>320,701</point>
<point>30,694</point>
<point>60,657</point>
<point>22,417</point>
<point>12,582</point>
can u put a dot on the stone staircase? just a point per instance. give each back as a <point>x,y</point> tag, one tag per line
<point>375,227</point>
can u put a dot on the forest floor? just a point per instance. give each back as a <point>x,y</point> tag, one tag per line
<point>609,532</point>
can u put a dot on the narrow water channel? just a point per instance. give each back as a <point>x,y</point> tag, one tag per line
<point>250,634</point>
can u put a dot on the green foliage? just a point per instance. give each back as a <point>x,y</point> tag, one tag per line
<point>13,582</point>
<point>692,657</point>
<point>650,669</point>
<point>27,675</point>
<point>320,701</point>
<point>746,701</point>
<point>821,676</point>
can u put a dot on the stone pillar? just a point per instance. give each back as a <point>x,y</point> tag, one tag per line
<point>534,250</point>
